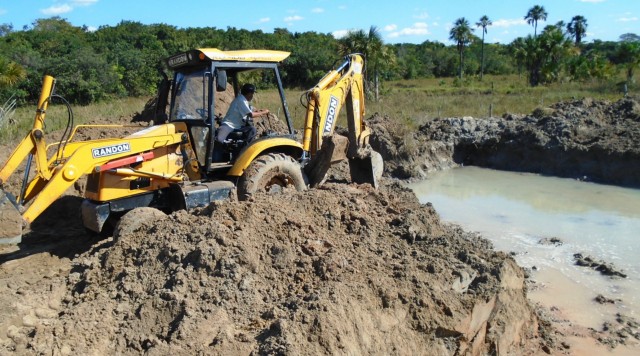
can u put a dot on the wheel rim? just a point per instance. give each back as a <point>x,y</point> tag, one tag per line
<point>277,183</point>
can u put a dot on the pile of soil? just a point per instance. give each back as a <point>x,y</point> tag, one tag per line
<point>354,270</point>
<point>584,139</point>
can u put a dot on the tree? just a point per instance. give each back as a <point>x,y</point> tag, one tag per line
<point>10,73</point>
<point>628,54</point>
<point>629,37</point>
<point>462,35</point>
<point>534,15</point>
<point>483,23</point>
<point>5,29</point>
<point>543,56</point>
<point>578,28</point>
<point>557,48</point>
<point>371,45</point>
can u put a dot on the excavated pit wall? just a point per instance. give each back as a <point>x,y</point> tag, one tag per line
<point>589,140</point>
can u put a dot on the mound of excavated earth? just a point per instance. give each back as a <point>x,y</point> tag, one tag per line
<point>585,139</point>
<point>343,269</point>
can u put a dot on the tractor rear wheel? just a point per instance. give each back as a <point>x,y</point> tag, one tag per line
<point>271,173</point>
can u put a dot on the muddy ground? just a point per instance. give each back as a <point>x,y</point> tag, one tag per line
<point>341,269</point>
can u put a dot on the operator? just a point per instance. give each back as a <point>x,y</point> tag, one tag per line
<point>240,115</point>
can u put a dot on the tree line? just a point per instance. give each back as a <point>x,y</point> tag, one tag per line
<point>558,52</point>
<point>127,59</point>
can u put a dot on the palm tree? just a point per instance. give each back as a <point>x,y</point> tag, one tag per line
<point>557,47</point>
<point>578,28</point>
<point>628,53</point>
<point>10,73</point>
<point>534,15</point>
<point>484,23</point>
<point>371,45</point>
<point>461,33</point>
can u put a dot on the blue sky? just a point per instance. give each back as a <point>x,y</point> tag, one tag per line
<point>400,21</point>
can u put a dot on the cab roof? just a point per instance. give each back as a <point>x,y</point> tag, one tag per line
<point>249,55</point>
<point>202,56</point>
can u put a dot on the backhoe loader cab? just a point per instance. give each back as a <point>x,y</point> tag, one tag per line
<point>176,163</point>
<point>202,80</point>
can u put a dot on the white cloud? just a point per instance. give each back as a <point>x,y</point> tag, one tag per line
<point>509,22</point>
<point>317,10</point>
<point>293,18</point>
<point>421,16</point>
<point>57,10</point>
<point>390,28</point>
<point>340,33</point>
<point>627,19</point>
<point>83,2</point>
<point>264,19</point>
<point>417,29</point>
<point>342,7</point>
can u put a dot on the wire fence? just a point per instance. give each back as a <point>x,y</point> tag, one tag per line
<point>7,110</point>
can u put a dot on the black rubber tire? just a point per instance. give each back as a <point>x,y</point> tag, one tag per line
<point>269,171</point>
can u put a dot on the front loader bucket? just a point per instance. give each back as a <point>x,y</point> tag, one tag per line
<point>366,168</point>
<point>10,220</point>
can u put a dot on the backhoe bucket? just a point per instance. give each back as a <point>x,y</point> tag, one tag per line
<point>367,167</point>
<point>333,150</point>
<point>10,220</point>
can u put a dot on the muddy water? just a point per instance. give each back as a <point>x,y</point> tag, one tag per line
<point>515,211</point>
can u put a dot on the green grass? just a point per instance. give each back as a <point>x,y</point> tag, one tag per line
<point>422,100</point>
<point>57,116</point>
<point>412,101</point>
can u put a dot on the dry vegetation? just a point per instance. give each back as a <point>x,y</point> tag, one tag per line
<point>413,101</point>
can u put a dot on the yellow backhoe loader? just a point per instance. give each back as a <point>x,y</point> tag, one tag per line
<point>177,163</point>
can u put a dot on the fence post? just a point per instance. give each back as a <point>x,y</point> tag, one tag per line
<point>626,90</point>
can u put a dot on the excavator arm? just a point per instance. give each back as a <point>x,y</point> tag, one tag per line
<point>343,86</point>
<point>154,152</point>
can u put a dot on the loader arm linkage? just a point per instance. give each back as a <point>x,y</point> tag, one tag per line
<point>54,176</point>
<point>340,87</point>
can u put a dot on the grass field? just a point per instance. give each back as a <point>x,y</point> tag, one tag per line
<point>412,101</point>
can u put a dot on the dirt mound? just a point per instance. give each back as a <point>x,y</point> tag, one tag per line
<point>584,139</point>
<point>342,269</point>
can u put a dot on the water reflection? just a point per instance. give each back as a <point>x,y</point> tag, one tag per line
<point>516,210</point>
<point>543,193</point>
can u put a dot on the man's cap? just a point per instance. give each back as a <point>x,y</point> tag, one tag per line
<point>248,88</point>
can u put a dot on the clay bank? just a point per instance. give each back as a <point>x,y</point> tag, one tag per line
<point>590,140</point>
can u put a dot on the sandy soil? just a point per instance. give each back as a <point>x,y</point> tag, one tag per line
<point>341,269</point>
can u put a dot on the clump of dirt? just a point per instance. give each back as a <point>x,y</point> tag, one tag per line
<point>340,269</point>
<point>585,139</point>
<point>604,268</point>
<point>554,241</point>
<point>601,299</point>
<point>619,332</point>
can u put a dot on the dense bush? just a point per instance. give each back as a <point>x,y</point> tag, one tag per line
<point>127,59</point>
